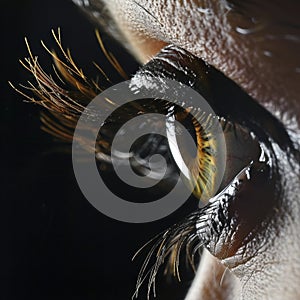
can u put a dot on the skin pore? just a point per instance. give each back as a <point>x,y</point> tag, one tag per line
<point>257,46</point>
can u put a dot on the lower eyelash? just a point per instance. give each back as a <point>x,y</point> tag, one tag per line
<point>211,227</point>
<point>194,232</point>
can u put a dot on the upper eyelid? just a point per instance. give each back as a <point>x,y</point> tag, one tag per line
<point>228,99</point>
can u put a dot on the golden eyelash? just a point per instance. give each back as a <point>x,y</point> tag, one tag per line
<point>64,106</point>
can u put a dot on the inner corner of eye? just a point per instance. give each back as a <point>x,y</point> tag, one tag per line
<point>219,156</point>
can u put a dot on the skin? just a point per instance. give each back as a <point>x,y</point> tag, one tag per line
<point>257,47</point>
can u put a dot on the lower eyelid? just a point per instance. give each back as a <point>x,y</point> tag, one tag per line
<point>244,215</point>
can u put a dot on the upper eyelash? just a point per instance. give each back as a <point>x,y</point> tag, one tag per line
<point>64,106</point>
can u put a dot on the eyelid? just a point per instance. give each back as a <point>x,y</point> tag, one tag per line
<point>225,96</point>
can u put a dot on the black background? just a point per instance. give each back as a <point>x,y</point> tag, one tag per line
<point>54,244</point>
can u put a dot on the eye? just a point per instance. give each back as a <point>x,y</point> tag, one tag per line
<point>217,152</point>
<point>207,176</point>
<point>227,222</point>
<point>218,156</point>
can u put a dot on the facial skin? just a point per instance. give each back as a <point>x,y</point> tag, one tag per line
<point>256,45</point>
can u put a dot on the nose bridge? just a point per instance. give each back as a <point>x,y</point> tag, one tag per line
<point>213,281</point>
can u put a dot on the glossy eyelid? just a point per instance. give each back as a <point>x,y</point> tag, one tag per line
<point>225,96</point>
